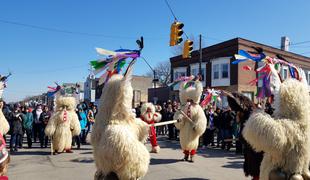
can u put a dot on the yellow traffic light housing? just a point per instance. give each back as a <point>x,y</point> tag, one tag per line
<point>188,48</point>
<point>176,33</point>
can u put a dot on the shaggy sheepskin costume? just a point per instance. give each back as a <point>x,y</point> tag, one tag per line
<point>192,120</point>
<point>4,124</point>
<point>285,137</point>
<point>151,117</point>
<point>118,137</point>
<point>63,125</point>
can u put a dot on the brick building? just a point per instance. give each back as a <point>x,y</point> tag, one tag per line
<point>219,73</point>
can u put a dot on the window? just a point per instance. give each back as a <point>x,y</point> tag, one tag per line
<point>137,96</point>
<point>224,70</point>
<point>195,72</point>
<point>284,72</point>
<point>178,74</point>
<point>220,75</point>
<point>216,72</point>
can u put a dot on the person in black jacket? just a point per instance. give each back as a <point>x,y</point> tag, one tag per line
<point>16,119</point>
<point>244,108</point>
<point>44,118</point>
<point>227,128</point>
<point>171,128</point>
<point>217,123</point>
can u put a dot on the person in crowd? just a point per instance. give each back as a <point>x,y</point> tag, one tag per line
<point>217,119</point>
<point>244,107</point>
<point>171,128</point>
<point>4,159</point>
<point>17,128</point>
<point>228,119</point>
<point>37,123</point>
<point>159,129</point>
<point>27,124</point>
<point>138,110</point>
<point>81,138</point>
<point>91,115</point>
<point>44,118</point>
<point>208,136</point>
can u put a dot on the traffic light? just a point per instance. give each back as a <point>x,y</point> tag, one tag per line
<point>176,33</point>
<point>188,48</point>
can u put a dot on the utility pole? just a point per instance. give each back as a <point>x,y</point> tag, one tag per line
<point>200,56</point>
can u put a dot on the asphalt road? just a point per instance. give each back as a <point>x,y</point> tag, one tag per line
<point>38,164</point>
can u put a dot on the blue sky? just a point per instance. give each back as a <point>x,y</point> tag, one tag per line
<point>38,58</point>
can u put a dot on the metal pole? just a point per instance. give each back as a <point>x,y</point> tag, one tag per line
<point>200,57</point>
<point>154,86</point>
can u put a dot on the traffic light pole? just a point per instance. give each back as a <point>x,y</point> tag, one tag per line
<point>154,74</point>
<point>200,56</point>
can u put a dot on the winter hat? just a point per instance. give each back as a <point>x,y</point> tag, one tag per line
<point>239,102</point>
<point>4,154</point>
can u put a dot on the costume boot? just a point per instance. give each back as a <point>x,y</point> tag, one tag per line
<point>155,149</point>
<point>192,158</point>
<point>185,157</point>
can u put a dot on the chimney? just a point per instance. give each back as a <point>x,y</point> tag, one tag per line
<point>285,43</point>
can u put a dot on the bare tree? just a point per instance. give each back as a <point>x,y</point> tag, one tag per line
<point>163,72</point>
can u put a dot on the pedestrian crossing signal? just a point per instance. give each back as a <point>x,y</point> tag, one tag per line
<point>176,33</point>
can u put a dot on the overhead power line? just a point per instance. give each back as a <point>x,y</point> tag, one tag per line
<point>69,31</point>
<point>175,17</point>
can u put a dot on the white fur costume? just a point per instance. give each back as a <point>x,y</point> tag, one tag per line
<point>4,124</point>
<point>191,131</point>
<point>149,116</point>
<point>63,124</point>
<point>118,136</point>
<point>285,138</point>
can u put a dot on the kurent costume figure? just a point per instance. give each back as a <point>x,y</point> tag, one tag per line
<point>285,137</point>
<point>63,125</point>
<point>4,124</point>
<point>193,121</point>
<point>149,116</point>
<point>118,137</point>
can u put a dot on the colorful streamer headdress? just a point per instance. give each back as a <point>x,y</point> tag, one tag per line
<point>268,73</point>
<point>3,81</point>
<point>114,61</point>
<point>52,91</point>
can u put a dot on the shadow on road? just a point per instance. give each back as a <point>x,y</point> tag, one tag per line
<point>163,161</point>
<point>234,165</point>
<point>90,152</point>
<point>31,153</point>
<point>191,179</point>
<point>83,160</point>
